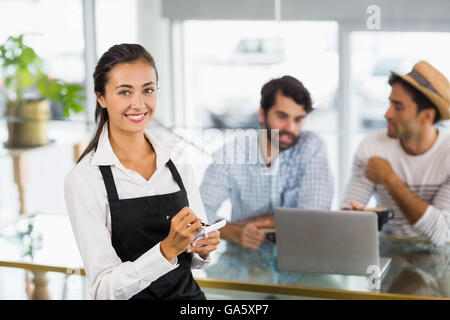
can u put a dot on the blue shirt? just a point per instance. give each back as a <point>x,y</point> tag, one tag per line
<point>300,177</point>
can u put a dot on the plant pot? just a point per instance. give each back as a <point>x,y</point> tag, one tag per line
<point>28,123</point>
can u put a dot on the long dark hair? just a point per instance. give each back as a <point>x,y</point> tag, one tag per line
<point>121,53</point>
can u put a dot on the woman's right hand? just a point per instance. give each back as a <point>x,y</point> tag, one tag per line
<point>183,229</point>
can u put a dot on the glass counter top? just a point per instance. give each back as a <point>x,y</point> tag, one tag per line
<point>418,269</point>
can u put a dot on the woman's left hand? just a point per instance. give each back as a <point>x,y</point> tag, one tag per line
<point>205,244</point>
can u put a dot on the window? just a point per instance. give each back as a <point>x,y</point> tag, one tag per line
<point>374,55</point>
<point>116,22</point>
<point>227,62</point>
<point>54,29</point>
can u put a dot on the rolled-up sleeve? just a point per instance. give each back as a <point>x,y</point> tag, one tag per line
<point>316,182</point>
<point>359,188</point>
<point>215,189</point>
<point>435,222</point>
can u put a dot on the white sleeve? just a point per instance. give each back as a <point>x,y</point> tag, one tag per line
<point>108,276</point>
<point>359,188</point>
<point>435,222</point>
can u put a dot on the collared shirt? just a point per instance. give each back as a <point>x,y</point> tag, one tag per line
<point>89,213</point>
<point>299,177</point>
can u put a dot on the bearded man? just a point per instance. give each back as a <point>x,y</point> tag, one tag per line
<point>278,166</point>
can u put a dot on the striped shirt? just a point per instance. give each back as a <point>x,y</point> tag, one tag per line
<point>300,177</point>
<point>426,175</point>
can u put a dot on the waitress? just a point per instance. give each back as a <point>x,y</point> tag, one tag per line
<point>133,201</point>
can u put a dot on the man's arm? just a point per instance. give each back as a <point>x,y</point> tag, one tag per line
<point>359,188</point>
<point>214,190</point>
<point>379,171</point>
<point>231,232</point>
<point>316,182</point>
<point>433,220</point>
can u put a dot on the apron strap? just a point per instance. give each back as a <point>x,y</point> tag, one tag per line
<point>111,186</point>
<point>175,175</point>
<point>109,183</point>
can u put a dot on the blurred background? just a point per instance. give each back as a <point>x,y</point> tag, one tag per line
<point>213,58</point>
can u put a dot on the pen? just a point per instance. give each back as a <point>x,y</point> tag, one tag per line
<point>203,224</point>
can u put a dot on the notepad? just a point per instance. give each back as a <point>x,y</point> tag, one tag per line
<point>211,228</point>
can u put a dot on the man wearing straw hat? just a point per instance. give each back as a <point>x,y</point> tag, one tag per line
<point>407,166</point>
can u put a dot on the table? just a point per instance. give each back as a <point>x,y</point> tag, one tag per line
<point>419,269</point>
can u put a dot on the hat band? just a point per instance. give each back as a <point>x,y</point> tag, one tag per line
<point>422,81</point>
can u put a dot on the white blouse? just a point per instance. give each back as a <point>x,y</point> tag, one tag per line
<point>90,217</point>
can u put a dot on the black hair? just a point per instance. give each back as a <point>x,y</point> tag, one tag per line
<point>421,100</point>
<point>121,53</point>
<point>289,87</point>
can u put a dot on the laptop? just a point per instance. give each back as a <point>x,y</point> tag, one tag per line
<point>323,241</point>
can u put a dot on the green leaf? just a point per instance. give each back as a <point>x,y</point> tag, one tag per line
<point>77,107</point>
<point>23,69</point>
<point>26,77</point>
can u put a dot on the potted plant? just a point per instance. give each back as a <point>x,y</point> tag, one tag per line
<point>29,90</point>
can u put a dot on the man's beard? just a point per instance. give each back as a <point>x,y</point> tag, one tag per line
<point>401,132</point>
<point>276,142</point>
<point>392,133</point>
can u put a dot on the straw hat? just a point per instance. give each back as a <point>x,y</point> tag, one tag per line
<point>433,84</point>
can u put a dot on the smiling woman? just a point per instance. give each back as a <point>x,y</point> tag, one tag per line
<point>120,85</point>
<point>129,87</point>
<point>124,186</point>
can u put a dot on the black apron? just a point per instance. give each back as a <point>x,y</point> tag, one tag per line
<point>138,224</point>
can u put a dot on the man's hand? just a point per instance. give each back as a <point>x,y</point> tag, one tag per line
<point>379,171</point>
<point>357,206</point>
<point>247,232</point>
<point>251,236</point>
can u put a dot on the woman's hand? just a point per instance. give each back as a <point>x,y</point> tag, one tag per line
<point>183,229</point>
<point>205,244</point>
